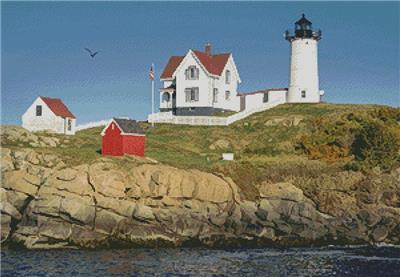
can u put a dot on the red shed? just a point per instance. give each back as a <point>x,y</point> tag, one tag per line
<point>123,136</point>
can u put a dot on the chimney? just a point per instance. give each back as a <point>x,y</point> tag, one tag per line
<point>207,49</point>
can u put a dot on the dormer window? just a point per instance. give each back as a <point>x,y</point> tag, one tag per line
<point>192,73</point>
<point>227,77</point>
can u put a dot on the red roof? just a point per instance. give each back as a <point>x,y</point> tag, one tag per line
<point>171,66</point>
<point>57,107</point>
<point>262,91</point>
<point>214,64</point>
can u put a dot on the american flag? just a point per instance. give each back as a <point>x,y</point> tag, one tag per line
<point>151,74</point>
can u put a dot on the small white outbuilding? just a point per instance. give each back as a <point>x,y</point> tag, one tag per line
<point>49,114</point>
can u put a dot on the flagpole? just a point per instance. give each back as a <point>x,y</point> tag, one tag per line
<point>152,97</point>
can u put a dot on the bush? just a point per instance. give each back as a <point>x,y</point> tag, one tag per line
<point>376,145</point>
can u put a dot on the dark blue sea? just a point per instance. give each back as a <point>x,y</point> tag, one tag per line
<point>346,261</point>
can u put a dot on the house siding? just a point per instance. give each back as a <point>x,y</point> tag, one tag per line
<point>48,121</point>
<point>115,143</point>
<point>206,84</point>
<point>112,143</point>
<point>253,101</point>
<point>134,145</point>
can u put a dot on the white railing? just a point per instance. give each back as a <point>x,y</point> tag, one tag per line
<point>168,117</point>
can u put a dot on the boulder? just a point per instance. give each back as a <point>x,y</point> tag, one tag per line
<point>78,209</point>
<point>220,144</point>
<point>143,213</point>
<point>21,181</point>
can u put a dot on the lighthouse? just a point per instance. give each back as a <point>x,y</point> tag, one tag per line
<point>303,79</point>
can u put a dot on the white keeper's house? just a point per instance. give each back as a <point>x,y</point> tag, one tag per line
<point>49,114</point>
<point>201,84</point>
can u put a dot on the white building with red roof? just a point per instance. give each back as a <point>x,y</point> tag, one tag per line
<point>200,83</point>
<point>49,114</point>
<point>203,84</point>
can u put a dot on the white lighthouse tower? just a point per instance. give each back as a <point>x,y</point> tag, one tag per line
<point>303,79</point>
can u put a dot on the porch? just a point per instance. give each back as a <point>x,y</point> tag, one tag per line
<point>168,99</point>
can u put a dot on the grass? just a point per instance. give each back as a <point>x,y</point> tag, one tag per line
<point>267,145</point>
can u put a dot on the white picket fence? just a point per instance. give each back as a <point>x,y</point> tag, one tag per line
<point>168,117</point>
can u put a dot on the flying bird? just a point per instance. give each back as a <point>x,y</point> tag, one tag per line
<point>91,53</point>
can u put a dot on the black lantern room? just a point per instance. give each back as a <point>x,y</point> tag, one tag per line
<point>303,29</point>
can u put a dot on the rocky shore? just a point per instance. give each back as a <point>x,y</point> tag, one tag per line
<point>47,204</point>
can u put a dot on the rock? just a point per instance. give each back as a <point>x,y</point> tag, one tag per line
<point>32,158</point>
<point>266,211</point>
<point>144,213</point>
<point>50,141</point>
<point>379,233</point>
<point>106,180</point>
<point>20,181</point>
<point>370,218</point>
<point>285,121</point>
<point>6,160</point>
<point>106,221</point>
<point>5,227</point>
<point>120,207</point>
<point>220,144</point>
<point>86,237</point>
<point>59,230</point>
<point>218,220</point>
<point>47,204</point>
<point>67,174</point>
<point>7,208</point>
<point>284,191</point>
<point>78,209</point>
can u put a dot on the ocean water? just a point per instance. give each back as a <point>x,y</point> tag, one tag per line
<point>347,261</point>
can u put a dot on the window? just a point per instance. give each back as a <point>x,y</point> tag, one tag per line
<point>38,110</point>
<point>215,95</point>
<point>266,97</point>
<point>69,124</point>
<point>227,95</point>
<point>192,73</point>
<point>165,97</point>
<point>227,77</point>
<point>112,126</point>
<point>191,94</point>
<point>303,94</point>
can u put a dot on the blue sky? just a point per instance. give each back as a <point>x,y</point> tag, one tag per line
<point>42,50</point>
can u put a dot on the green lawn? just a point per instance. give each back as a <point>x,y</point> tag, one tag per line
<point>263,139</point>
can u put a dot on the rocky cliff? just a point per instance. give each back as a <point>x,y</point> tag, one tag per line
<point>47,204</point>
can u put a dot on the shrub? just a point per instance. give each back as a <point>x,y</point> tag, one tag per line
<point>376,145</point>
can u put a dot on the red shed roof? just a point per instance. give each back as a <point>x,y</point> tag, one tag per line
<point>57,107</point>
<point>214,64</point>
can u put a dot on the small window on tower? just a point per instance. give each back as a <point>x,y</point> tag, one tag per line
<point>227,95</point>
<point>38,110</point>
<point>303,94</point>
